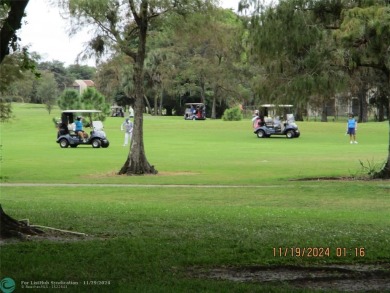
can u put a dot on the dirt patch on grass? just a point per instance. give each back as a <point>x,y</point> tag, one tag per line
<point>334,278</point>
<point>361,178</point>
<point>330,179</point>
<point>53,236</point>
<point>102,175</point>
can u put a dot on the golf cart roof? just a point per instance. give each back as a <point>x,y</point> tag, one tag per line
<point>188,104</point>
<point>81,111</point>
<point>276,106</point>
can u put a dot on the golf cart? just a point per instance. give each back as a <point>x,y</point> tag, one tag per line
<point>67,137</point>
<point>268,123</point>
<point>195,111</point>
<point>117,111</point>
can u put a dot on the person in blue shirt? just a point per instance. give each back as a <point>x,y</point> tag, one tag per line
<point>79,128</point>
<point>351,129</point>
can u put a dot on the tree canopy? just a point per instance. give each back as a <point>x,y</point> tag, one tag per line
<point>325,47</point>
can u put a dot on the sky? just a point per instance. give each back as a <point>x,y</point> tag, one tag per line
<point>45,31</point>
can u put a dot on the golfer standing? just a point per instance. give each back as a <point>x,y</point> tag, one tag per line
<point>127,126</point>
<point>351,129</point>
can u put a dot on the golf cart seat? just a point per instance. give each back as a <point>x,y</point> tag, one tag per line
<point>71,128</point>
<point>97,125</point>
<point>290,118</point>
<point>269,122</point>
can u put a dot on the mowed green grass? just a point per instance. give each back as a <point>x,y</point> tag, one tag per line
<point>187,152</point>
<point>236,205</point>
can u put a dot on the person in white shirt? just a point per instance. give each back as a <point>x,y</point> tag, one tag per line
<point>127,126</point>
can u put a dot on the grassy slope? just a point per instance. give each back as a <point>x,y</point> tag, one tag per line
<point>145,239</point>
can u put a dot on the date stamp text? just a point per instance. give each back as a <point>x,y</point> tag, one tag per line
<point>318,252</point>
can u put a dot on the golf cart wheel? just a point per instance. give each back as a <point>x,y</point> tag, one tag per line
<point>64,143</point>
<point>105,144</point>
<point>261,134</point>
<point>96,143</point>
<point>290,134</point>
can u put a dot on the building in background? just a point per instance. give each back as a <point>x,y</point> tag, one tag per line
<point>81,85</point>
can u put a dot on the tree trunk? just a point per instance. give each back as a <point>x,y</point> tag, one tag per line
<point>385,172</point>
<point>9,227</point>
<point>202,90</point>
<point>213,109</point>
<point>381,113</point>
<point>136,162</point>
<point>324,113</point>
<point>12,24</point>
<point>169,110</point>
<point>149,108</point>
<point>363,107</point>
<point>298,115</point>
<point>161,103</point>
<point>155,112</point>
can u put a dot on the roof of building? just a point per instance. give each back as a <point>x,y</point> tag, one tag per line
<point>80,82</point>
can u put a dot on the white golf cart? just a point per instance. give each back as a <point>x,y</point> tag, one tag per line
<point>66,132</point>
<point>195,111</point>
<point>117,111</point>
<point>275,120</point>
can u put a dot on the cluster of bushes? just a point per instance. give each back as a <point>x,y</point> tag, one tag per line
<point>232,114</point>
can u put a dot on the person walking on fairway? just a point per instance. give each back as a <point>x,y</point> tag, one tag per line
<point>127,126</point>
<point>351,129</point>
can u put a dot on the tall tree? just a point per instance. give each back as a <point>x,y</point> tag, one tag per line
<point>214,59</point>
<point>92,99</point>
<point>365,36</point>
<point>62,75</point>
<point>84,72</point>
<point>297,52</point>
<point>47,90</point>
<point>124,25</point>
<point>200,58</point>
<point>153,78</point>
<point>108,78</point>
<point>11,14</point>
<point>69,99</point>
